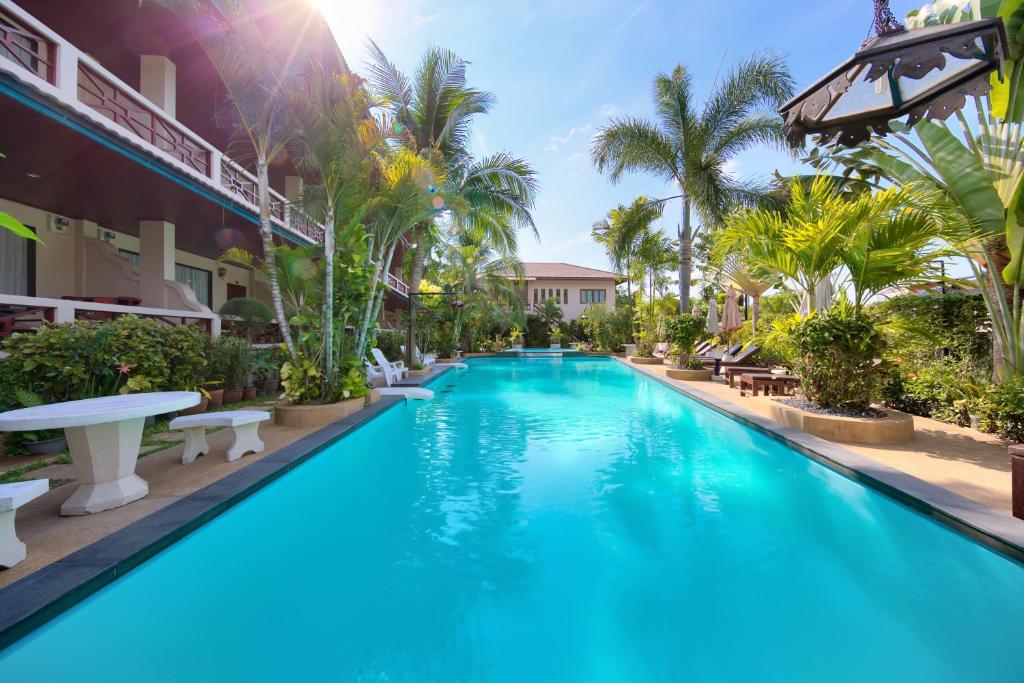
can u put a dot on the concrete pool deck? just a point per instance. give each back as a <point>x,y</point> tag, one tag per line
<point>965,461</point>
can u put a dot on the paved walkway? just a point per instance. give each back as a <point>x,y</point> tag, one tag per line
<point>966,461</point>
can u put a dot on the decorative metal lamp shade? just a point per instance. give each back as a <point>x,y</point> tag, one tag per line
<point>915,73</point>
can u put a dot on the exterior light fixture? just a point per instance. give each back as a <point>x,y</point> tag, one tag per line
<point>221,272</point>
<point>34,176</point>
<point>457,305</point>
<point>917,73</point>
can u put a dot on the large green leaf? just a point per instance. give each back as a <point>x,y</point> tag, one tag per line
<point>970,183</point>
<point>17,227</point>
<point>1013,272</point>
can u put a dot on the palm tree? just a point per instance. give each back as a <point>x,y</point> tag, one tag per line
<point>654,255</point>
<point>691,146</point>
<point>876,240</point>
<point>620,233</point>
<point>255,76</point>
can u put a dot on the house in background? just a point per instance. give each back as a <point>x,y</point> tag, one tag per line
<point>114,156</point>
<point>573,288</point>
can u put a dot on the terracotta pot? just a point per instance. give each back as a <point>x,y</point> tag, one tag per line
<point>317,415</point>
<point>270,386</point>
<point>216,398</point>
<point>232,396</point>
<point>201,407</point>
<point>248,393</point>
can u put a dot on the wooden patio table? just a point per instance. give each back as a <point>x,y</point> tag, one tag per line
<point>104,436</point>
<point>777,384</point>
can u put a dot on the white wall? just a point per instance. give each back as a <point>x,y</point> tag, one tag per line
<point>573,308</point>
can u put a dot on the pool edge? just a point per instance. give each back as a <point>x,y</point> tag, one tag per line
<point>997,531</point>
<point>32,601</point>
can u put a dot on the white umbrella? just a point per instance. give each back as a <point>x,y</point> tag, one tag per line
<point>713,327</point>
<point>731,313</point>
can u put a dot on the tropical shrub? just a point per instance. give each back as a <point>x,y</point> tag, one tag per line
<point>390,344</point>
<point>537,333</point>
<point>945,390</point>
<point>921,328</point>
<point>838,354</point>
<point>684,331</point>
<point>252,315</point>
<point>82,359</point>
<point>1002,410</point>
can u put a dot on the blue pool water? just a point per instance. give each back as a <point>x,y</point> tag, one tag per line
<point>551,520</point>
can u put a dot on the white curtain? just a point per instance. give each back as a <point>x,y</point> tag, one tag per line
<point>13,264</point>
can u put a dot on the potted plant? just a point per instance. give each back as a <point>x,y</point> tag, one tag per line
<point>202,406</point>
<point>265,372</point>
<point>43,441</point>
<point>233,358</point>
<point>645,350</point>
<point>556,338</point>
<point>304,389</point>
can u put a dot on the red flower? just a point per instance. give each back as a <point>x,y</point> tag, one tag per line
<point>124,368</point>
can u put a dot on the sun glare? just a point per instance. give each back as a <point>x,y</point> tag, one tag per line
<point>352,22</point>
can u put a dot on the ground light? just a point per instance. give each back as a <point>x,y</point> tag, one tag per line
<point>918,73</point>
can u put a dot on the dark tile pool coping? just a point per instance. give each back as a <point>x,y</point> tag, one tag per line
<point>30,602</point>
<point>998,531</point>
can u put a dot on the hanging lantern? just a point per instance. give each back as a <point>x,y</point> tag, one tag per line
<point>918,73</point>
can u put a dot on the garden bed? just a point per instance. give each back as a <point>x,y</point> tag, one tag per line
<point>688,375</point>
<point>317,415</point>
<point>646,360</point>
<point>893,427</point>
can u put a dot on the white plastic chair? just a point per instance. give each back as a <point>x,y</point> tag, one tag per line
<point>426,359</point>
<point>392,371</point>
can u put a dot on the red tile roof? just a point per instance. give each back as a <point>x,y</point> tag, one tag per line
<point>565,271</point>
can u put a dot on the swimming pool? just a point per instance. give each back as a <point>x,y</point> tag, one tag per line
<point>547,519</point>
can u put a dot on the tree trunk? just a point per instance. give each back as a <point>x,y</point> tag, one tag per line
<point>328,321</point>
<point>368,314</point>
<point>419,257</point>
<point>998,357</point>
<point>685,257</point>
<point>270,257</point>
<point>755,312</point>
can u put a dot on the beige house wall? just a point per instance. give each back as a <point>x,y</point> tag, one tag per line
<point>83,261</point>
<point>572,308</point>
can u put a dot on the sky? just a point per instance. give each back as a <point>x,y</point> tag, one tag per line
<point>560,69</point>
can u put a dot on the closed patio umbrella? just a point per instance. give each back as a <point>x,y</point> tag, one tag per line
<point>713,327</point>
<point>731,319</point>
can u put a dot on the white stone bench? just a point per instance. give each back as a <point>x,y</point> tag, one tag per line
<point>12,497</point>
<point>243,423</point>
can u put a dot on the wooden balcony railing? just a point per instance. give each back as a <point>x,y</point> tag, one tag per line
<point>35,54</point>
<point>397,285</point>
<point>22,45</point>
<point>145,120</point>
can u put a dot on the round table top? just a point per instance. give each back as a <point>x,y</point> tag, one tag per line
<point>94,411</point>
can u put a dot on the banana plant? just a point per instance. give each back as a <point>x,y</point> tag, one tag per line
<point>976,161</point>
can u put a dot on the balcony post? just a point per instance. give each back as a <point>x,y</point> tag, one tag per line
<point>156,261</point>
<point>67,72</point>
<point>158,82</point>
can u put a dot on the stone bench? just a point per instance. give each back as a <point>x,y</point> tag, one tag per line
<point>244,425</point>
<point>12,497</point>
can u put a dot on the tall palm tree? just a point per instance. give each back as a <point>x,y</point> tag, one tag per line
<point>690,146</point>
<point>255,75</point>
<point>621,231</point>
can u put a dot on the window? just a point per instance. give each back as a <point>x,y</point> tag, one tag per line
<point>558,296</point>
<point>565,296</point>
<point>201,281</point>
<point>129,255</point>
<point>535,293</point>
<point>592,296</point>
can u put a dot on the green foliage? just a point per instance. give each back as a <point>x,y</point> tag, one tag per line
<point>538,332</point>
<point>920,327</point>
<point>390,344</point>
<point>85,358</point>
<point>645,342</point>
<point>1002,410</point>
<point>684,331</point>
<point>607,327</point>
<point>946,390</point>
<point>301,381</point>
<point>836,363</point>
<point>231,360</point>
<point>253,315</point>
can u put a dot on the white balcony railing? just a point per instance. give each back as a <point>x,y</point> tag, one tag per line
<point>42,59</point>
<point>397,285</point>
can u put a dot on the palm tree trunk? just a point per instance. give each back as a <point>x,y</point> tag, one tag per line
<point>328,321</point>
<point>419,257</point>
<point>685,257</point>
<point>755,312</point>
<point>270,256</point>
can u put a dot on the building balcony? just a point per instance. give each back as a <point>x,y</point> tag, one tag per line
<point>38,58</point>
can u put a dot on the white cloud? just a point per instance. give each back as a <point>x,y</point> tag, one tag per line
<point>480,143</point>
<point>642,7</point>
<point>420,20</point>
<point>559,142</point>
<point>608,109</point>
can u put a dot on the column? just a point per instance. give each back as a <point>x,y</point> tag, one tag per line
<point>156,261</point>
<point>158,82</point>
